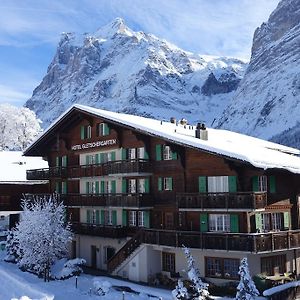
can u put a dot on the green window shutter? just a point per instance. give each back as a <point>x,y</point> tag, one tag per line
<point>286,220</point>
<point>88,216</point>
<point>258,222</point>
<point>97,187</point>
<point>203,222</point>
<point>147,219</point>
<point>170,183</point>
<point>234,223</point>
<point>64,161</point>
<point>101,158</point>
<point>106,129</point>
<point>174,155</point>
<point>158,149</point>
<point>82,132</point>
<point>147,185</point>
<point>272,184</point>
<point>102,187</point>
<point>232,184</point>
<point>114,217</point>
<point>124,217</point>
<point>97,217</point>
<point>97,158</point>
<point>87,187</point>
<point>57,161</point>
<point>113,156</point>
<point>57,187</point>
<point>202,184</point>
<point>124,186</point>
<point>255,183</point>
<point>102,217</point>
<point>87,159</point>
<point>64,187</point>
<point>160,183</point>
<point>124,154</point>
<point>146,155</point>
<point>113,186</point>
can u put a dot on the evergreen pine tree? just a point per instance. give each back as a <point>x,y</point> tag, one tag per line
<point>200,289</point>
<point>246,289</point>
<point>180,292</point>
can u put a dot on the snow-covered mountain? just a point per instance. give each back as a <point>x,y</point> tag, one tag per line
<point>267,101</point>
<point>118,69</point>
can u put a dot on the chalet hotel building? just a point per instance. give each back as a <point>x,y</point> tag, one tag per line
<point>137,189</point>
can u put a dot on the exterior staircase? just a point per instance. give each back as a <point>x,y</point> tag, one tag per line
<point>125,251</point>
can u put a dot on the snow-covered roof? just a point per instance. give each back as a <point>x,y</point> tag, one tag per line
<point>257,152</point>
<point>13,166</point>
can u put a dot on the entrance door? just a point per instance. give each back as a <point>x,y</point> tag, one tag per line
<point>169,220</point>
<point>110,252</point>
<point>93,257</point>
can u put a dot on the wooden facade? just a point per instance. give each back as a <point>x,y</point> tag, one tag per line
<point>121,182</point>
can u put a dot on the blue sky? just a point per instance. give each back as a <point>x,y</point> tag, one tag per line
<point>30,30</point>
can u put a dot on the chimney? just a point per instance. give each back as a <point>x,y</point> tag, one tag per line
<point>172,120</point>
<point>201,132</point>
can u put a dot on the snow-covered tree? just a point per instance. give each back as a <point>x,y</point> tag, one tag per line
<point>42,234</point>
<point>246,289</point>
<point>11,248</point>
<point>19,126</point>
<point>200,289</point>
<point>180,292</point>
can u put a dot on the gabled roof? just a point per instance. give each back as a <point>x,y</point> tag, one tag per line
<point>257,152</point>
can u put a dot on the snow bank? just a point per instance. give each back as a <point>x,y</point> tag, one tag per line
<point>280,288</point>
<point>64,268</point>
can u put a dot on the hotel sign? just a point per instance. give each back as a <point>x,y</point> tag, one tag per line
<point>97,144</point>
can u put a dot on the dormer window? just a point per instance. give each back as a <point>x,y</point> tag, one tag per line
<point>103,129</point>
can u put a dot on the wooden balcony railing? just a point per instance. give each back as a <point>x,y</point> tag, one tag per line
<point>257,243</point>
<point>118,200</point>
<point>243,200</point>
<point>99,230</point>
<point>111,167</point>
<point>246,242</point>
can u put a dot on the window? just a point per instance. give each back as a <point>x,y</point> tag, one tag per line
<point>132,186</point>
<point>141,152</point>
<point>218,184</point>
<point>262,183</point>
<point>168,262</point>
<point>85,132</point>
<point>277,221</point>
<point>141,186</point>
<point>218,222</point>
<point>132,218</point>
<point>93,217</point>
<point>103,129</point>
<point>168,184</point>
<point>265,222</point>
<point>167,154</point>
<point>141,218</point>
<point>108,219</point>
<point>131,153</point>
<point>273,264</point>
<point>109,252</point>
<point>222,267</point>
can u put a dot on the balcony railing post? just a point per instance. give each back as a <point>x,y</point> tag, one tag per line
<point>272,242</point>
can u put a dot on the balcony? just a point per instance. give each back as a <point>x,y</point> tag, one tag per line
<point>111,167</point>
<point>246,242</point>
<point>238,200</point>
<point>117,200</point>
<point>99,230</point>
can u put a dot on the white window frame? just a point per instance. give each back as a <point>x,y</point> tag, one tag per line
<point>141,185</point>
<point>88,132</point>
<point>108,217</point>
<point>131,152</point>
<point>217,184</point>
<point>93,215</point>
<point>167,153</point>
<point>141,218</point>
<point>265,222</point>
<point>101,127</point>
<point>277,221</point>
<point>132,186</point>
<point>141,152</point>
<point>166,186</point>
<point>262,183</point>
<point>219,222</point>
<point>132,218</point>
